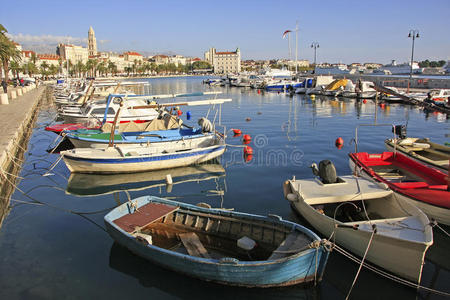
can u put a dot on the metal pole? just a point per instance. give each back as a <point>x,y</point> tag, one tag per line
<point>412,33</point>
<point>296,45</point>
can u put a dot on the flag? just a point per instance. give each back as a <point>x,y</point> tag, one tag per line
<point>285,33</point>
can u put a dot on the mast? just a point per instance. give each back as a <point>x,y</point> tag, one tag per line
<point>296,45</point>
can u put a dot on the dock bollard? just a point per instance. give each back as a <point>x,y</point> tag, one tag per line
<point>12,94</point>
<point>4,98</point>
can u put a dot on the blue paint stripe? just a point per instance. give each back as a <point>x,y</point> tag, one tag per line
<point>144,159</point>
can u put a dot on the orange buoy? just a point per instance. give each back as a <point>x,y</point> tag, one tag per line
<point>248,119</point>
<point>237,131</point>
<point>364,101</point>
<point>246,142</point>
<point>247,137</point>
<point>259,91</point>
<point>339,142</point>
<point>237,134</point>
<point>382,105</point>
<point>179,112</point>
<point>339,147</point>
<point>248,150</point>
<point>248,157</point>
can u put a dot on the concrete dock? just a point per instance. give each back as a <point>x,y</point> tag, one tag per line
<point>16,124</point>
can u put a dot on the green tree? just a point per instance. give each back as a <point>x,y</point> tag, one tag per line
<point>15,69</point>
<point>8,52</point>
<point>201,65</point>
<point>112,67</point>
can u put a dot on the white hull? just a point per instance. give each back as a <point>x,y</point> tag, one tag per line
<point>142,163</point>
<point>193,142</point>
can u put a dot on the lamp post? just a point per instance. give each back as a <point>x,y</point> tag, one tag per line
<point>315,45</point>
<point>413,33</point>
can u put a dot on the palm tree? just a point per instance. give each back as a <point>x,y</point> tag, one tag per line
<point>101,68</point>
<point>31,68</point>
<point>44,67</point>
<point>15,69</point>
<point>8,52</point>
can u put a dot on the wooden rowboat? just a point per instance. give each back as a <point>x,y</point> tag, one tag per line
<point>422,150</point>
<point>216,245</point>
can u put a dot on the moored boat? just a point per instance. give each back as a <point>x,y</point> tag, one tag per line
<point>360,214</point>
<point>433,154</point>
<point>217,245</point>
<point>423,186</point>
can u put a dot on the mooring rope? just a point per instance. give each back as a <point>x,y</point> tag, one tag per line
<point>388,275</point>
<point>374,230</point>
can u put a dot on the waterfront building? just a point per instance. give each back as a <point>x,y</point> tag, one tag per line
<point>92,42</point>
<point>72,53</point>
<point>160,59</point>
<point>177,60</point>
<point>372,65</point>
<point>224,62</point>
<point>131,56</point>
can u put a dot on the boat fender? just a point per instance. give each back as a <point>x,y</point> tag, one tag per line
<point>229,260</point>
<point>188,115</point>
<point>421,145</point>
<point>327,172</point>
<point>248,150</point>
<point>247,137</point>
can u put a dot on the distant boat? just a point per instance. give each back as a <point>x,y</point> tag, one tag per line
<point>334,70</point>
<point>423,186</point>
<point>217,245</point>
<point>347,208</point>
<point>399,69</point>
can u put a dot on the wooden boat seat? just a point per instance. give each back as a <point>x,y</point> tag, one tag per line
<point>193,245</point>
<point>144,216</point>
<point>294,242</point>
<point>411,185</point>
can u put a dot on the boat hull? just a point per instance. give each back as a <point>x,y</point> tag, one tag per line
<point>402,257</point>
<point>142,163</point>
<point>295,269</point>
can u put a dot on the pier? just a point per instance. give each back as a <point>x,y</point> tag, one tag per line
<point>17,117</point>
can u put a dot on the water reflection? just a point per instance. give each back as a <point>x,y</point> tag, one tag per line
<point>177,285</point>
<point>93,184</point>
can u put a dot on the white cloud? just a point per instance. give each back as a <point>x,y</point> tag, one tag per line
<point>27,39</point>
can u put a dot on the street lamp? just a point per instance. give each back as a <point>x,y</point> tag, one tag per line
<point>315,45</point>
<point>413,33</point>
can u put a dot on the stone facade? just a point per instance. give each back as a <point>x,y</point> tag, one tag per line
<point>92,42</point>
<point>73,53</point>
<point>224,62</point>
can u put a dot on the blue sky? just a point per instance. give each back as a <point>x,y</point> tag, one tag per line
<point>347,30</point>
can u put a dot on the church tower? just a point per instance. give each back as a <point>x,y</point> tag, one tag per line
<point>92,42</point>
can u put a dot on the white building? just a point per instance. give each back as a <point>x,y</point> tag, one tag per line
<point>177,60</point>
<point>224,62</point>
<point>73,53</point>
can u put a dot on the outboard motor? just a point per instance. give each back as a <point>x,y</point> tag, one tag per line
<point>327,172</point>
<point>205,124</point>
<point>399,130</point>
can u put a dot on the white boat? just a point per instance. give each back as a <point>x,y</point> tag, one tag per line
<point>394,68</point>
<point>362,89</point>
<point>141,158</point>
<point>107,110</point>
<point>351,208</point>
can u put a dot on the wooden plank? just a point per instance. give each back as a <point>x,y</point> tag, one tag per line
<point>294,243</point>
<point>193,245</point>
<point>144,216</point>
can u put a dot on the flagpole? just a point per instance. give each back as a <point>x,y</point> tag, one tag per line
<point>296,46</point>
<point>289,43</point>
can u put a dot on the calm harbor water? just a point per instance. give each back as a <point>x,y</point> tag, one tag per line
<point>53,244</point>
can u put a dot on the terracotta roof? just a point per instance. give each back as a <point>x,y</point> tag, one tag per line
<point>48,56</point>
<point>132,53</point>
<point>27,53</point>
<point>161,55</point>
<point>196,59</point>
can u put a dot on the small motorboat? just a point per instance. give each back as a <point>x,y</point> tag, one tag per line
<point>219,245</point>
<point>353,211</point>
<point>425,187</point>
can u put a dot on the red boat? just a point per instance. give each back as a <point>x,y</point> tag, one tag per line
<point>58,128</point>
<point>425,187</point>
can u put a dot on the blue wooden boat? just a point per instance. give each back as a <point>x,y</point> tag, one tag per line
<point>218,245</point>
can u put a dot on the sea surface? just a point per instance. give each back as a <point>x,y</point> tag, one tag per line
<point>53,244</point>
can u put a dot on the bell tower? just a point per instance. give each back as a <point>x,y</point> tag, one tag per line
<point>92,42</point>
